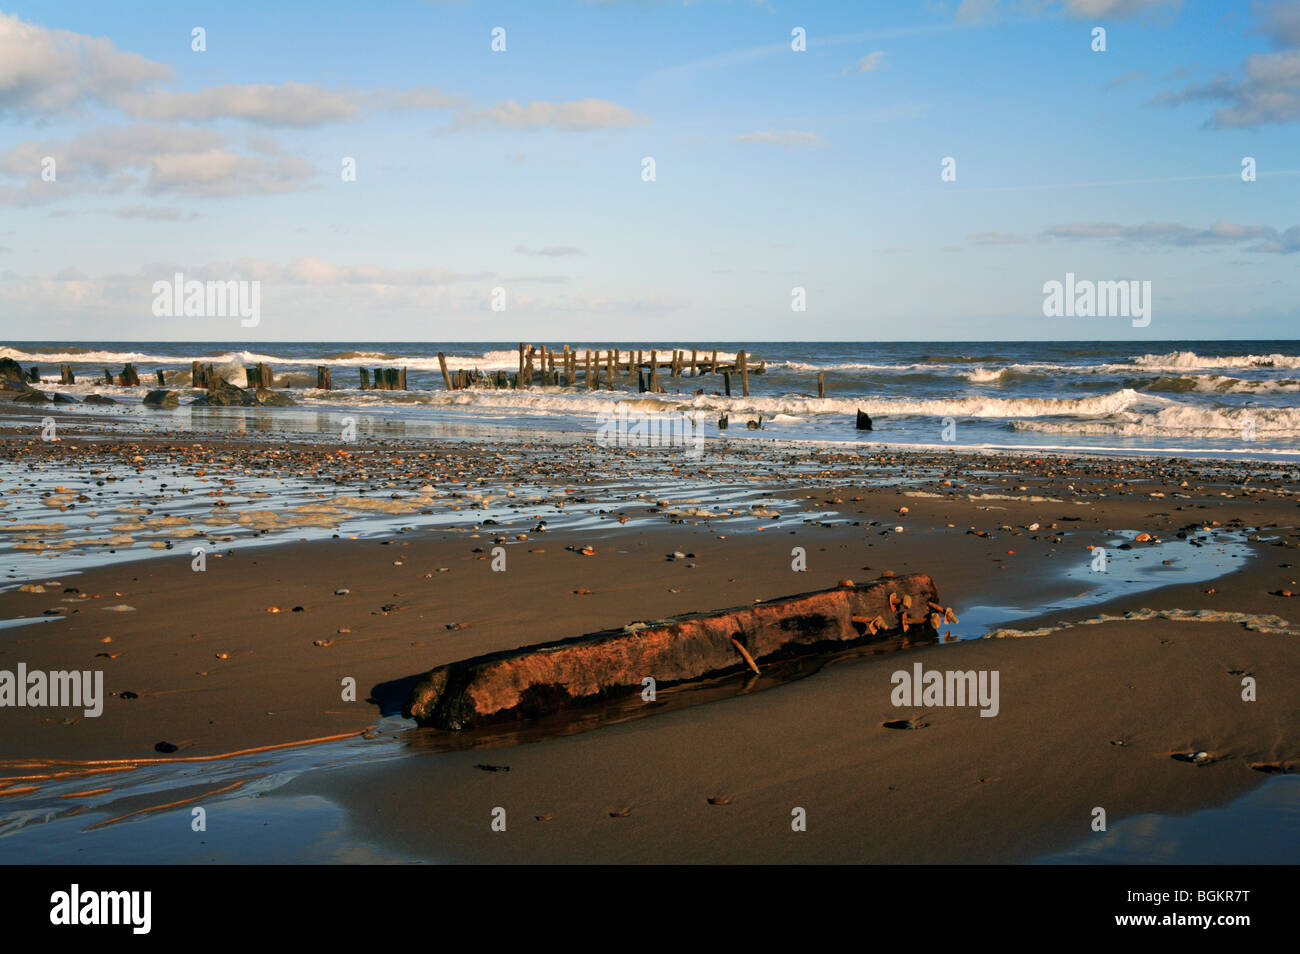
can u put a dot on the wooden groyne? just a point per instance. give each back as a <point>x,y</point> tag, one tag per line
<point>539,366</point>
<point>609,368</point>
<point>540,680</point>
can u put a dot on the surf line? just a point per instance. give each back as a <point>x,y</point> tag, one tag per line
<point>55,689</point>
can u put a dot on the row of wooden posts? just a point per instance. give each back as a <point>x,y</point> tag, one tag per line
<point>538,366</point>
<point>550,366</point>
<point>386,379</point>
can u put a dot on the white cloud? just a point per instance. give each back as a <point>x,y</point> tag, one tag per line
<point>553,251</point>
<point>45,71</point>
<point>1174,235</point>
<point>584,114</point>
<point>1268,93</point>
<point>787,138</point>
<point>148,158</point>
<point>867,64</point>
<point>288,104</point>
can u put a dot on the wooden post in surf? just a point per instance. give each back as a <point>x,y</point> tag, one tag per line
<point>821,384</point>
<point>713,364</point>
<point>744,373</point>
<point>693,354</point>
<point>446,378</point>
<point>108,376</point>
<point>586,377</point>
<point>322,378</point>
<point>609,369</point>
<point>401,379</point>
<point>65,374</point>
<point>365,379</point>
<point>654,372</point>
<point>519,380</point>
<point>726,381</point>
<point>162,382</point>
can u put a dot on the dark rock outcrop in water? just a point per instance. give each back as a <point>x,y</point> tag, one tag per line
<point>221,393</point>
<point>13,379</point>
<point>269,398</point>
<point>864,421</point>
<point>161,398</point>
<point>98,399</point>
<point>32,396</point>
<point>538,680</point>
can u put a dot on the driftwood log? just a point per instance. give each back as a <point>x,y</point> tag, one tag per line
<point>538,680</point>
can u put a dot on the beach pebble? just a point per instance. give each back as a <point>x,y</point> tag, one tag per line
<point>165,747</point>
<point>342,592</point>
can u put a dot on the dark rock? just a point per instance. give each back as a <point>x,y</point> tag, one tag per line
<point>268,398</point>
<point>221,393</point>
<point>165,747</point>
<point>864,421</point>
<point>32,396</point>
<point>64,399</point>
<point>12,376</point>
<point>98,399</point>
<point>161,398</point>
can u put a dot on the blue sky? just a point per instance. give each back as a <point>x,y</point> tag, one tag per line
<point>775,168</point>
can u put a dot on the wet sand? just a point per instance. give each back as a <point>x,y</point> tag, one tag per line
<point>212,671</point>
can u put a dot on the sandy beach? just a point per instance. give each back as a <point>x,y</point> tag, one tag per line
<point>1106,678</point>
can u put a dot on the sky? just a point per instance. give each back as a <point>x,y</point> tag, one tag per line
<point>798,155</point>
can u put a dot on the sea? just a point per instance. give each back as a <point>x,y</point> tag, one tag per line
<point>1222,399</point>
